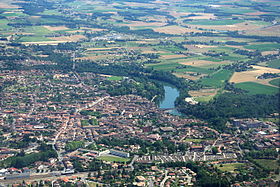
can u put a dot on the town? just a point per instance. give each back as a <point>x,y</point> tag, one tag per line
<point>71,115</point>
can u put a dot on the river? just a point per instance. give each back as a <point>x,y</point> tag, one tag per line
<point>168,102</point>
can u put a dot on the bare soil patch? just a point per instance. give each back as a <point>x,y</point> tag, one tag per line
<point>175,30</point>
<point>190,76</point>
<point>264,53</point>
<point>203,92</point>
<point>73,38</point>
<point>59,28</point>
<point>199,63</point>
<point>245,26</point>
<point>7,5</point>
<point>266,31</point>
<point>251,76</point>
<point>203,16</point>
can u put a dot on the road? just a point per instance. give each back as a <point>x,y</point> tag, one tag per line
<point>43,176</point>
<point>165,179</point>
<point>132,162</point>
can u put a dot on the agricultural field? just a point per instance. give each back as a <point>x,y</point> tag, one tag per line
<point>256,88</point>
<point>197,41</point>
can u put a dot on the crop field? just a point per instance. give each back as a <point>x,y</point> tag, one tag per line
<point>275,82</point>
<point>264,47</point>
<point>190,40</point>
<point>256,88</point>
<point>217,79</point>
<point>175,30</point>
<point>251,75</point>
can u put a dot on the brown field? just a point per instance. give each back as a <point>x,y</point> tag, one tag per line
<point>175,30</point>
<point>203,92</point>
<point>150,51</point>
<point>199,63</point>
<point>145,42</point>
<point>245,26</point>
<point>255,13</point>
<point>43,43</point>
<point>7,5</point>
<point>205,46</point>
<point>178,14</point>
<point>73,38</point>
<point>196,49</point>
<point>60,28</point>
<point>134,4</point>
<point>189,75</point>
<point>203,16</point>
<point>172,56</point>
<point>155,18</point>
<point>264,53</point>
<point>267,31</point>
<point>251,76</point>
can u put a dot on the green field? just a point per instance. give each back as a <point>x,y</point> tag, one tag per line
<point>229,167</point>
<point>113,159</point>
<point>256,88</point>
<point>267,163</point>
<point>264,47</point>
<point>33,39</point>
<point>215,22</point>
<point>274,64</point>
<point>164,66</point>
<point>204,99</point>
<point>217,79</point>
<point>115,78</point>
<point>275,82</point>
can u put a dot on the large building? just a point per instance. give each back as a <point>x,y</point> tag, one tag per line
<point>119,153</point>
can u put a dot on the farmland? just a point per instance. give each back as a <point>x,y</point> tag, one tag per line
<point>187,40</point>
<point>85,76</point>
<point>256,88</point>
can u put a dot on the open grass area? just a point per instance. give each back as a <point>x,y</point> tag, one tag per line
<point>115,78</point>
<point>37,30</point>
<point>194,69</point>
<point>215,22</point>
<point>275,82</point>
<point>113,159</point>
<point>274,64</point>
<point>33,39</point>
<point>164,66</point>
<point>273,120</point>
<point>217,79</point>
<point>264,47</point>
<point>204,99</point>
<point>267,163</point>
<point>229,167</point>
<point>256,88</point>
